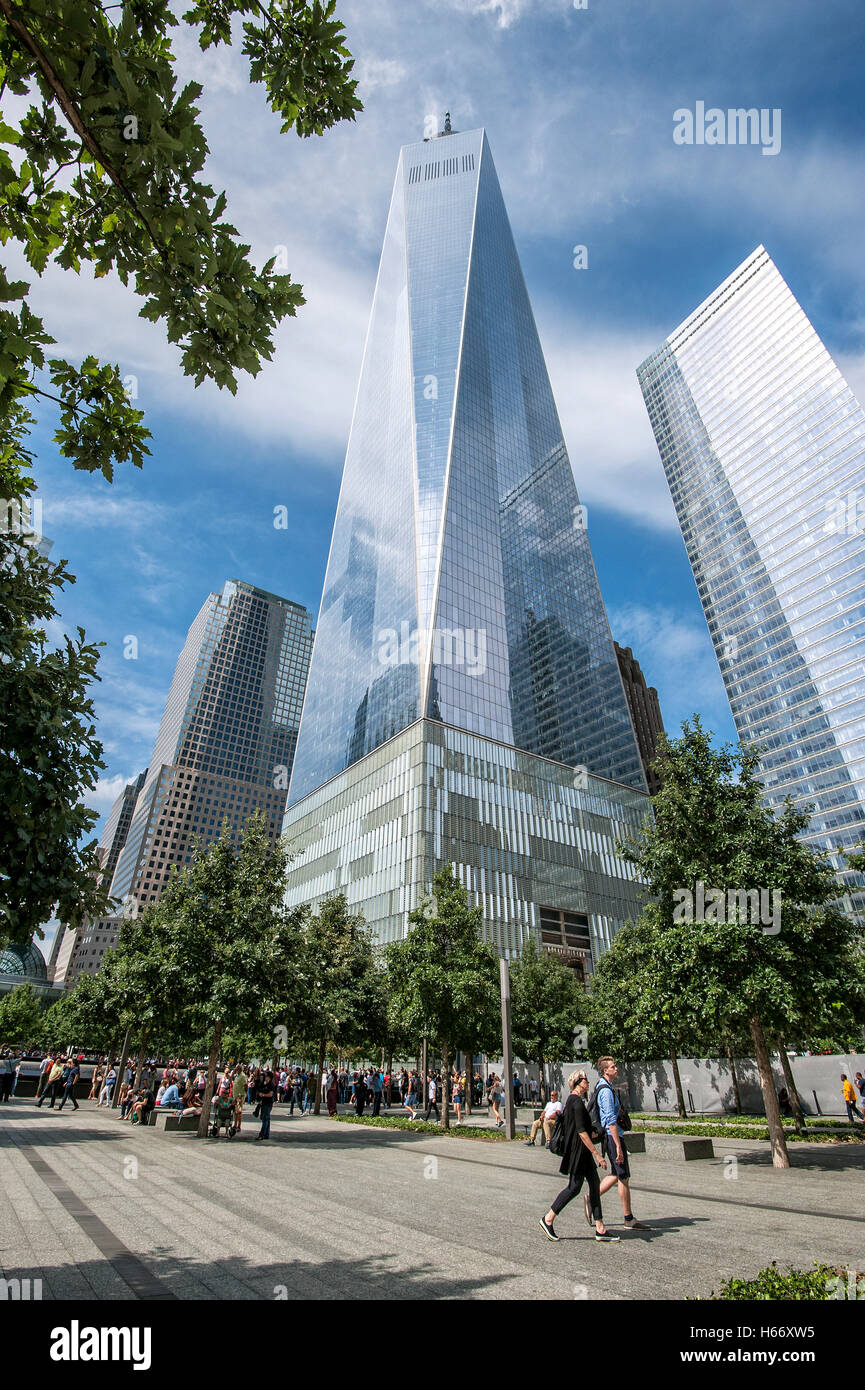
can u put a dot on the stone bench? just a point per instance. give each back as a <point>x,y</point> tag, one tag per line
<point>169,1120</point>
<point>672,1146</point>
<point>697,1148</point>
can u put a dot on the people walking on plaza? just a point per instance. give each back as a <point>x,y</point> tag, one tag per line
<point>7,1074</point>
<point>849,1095</point>
<point>68,1081</point>
<point>432,1097</point>
<point>239,1089</point>
<point>547,1120</point>
<point>609,1113</point>
<point>533,1090</point>
<point>264,1096</point>
<point>377,1088</point>
<point>107,1090</point>
<point>332,1092</point>
<point>496,1087</point>
<point>410,1099</point>
<point>44,1070</point>
<point>360,1093</point>
<point>458,1096</point>
<point>580,1161</point>
<point>52,1085</point>
<point>517,1091</point>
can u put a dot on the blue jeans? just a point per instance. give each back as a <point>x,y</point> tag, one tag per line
<point>265,1120</point>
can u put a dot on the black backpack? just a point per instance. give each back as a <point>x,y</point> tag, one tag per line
<point>623,1119</point>
<point>557,1145</point>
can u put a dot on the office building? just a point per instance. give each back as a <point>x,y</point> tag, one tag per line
<point>465,703</point>
<point>763,445</point>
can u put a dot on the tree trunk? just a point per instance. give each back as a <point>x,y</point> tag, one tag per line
<point>446,1114</point>
<point>542,1088</point>
<point>780,1157</point>
<point>124,1053</point>
<point>680,1099</point>
<point>212,1060</point>
<point>735,1079</point>
<point>798,1117</point>
<point>322,1048</point>
<point>141,1046</point>
<point>424,1052</point>
<point>389,1096</point>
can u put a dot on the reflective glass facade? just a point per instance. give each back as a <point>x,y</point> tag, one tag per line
<point>226,742</point>
<point>460,584</point>
<point>763,444</point>
<point>527,844</point>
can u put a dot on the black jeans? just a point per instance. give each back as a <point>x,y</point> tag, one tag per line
<point>432,1105</point>
<point>69,1094</point>
<point>376,1102</point>
<point>575,1182</point>
<point>51,1091</point>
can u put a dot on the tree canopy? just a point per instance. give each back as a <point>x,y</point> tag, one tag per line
<point>443,979</point>
<point>102,165</point>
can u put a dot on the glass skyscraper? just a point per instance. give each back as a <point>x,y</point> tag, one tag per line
<point>460,593</point>
<point>763,444</point>
<point>226,742</point>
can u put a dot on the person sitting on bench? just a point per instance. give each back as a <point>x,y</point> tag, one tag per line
<point>552,1108</point>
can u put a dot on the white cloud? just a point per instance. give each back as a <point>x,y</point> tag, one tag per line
<point>378,72</point>
<point>604,421</point>
<point>105,793</point>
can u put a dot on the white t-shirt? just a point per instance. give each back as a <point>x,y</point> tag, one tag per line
<point>553,1107</point>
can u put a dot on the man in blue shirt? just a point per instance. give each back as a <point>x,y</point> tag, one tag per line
<point>609,1110</point>
<point>172,1099</point>
<point>377,1088</point>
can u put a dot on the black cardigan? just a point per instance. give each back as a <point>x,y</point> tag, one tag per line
<point>575,1117</point>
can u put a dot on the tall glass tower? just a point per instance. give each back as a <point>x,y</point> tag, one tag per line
<point>458,539</point>
<point>763,444</point>
<point>226,742</point>
<point>460,593</point>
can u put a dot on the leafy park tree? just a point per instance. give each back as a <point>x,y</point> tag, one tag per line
<point>101,162</point>
<point>548,1004</point>
<point>443,980</point>
<point>50,755</point>
<point>21,1016</point>
<point>226,945</point>
<point>84,1016</point>
<point>722,963</point>
<point>342,997</point>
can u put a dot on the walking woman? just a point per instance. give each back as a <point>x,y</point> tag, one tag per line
<point>458,1095</point>
<point>332,1093</point>
<point>410,1100</point>
<point>580,1162</point>
<point>496,1097</point>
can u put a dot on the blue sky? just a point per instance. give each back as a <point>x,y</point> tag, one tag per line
<point>578,107</point>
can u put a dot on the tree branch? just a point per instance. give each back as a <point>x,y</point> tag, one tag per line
<point>76,120</point>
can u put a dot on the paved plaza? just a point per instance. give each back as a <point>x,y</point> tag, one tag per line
<point>95,1207</point>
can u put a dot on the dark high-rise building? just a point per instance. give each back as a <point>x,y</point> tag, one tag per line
<point>225,745</point>
<point>114,835</point>
<point>464,704</point>
<point>645,712</point>
<point>71,947</point>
